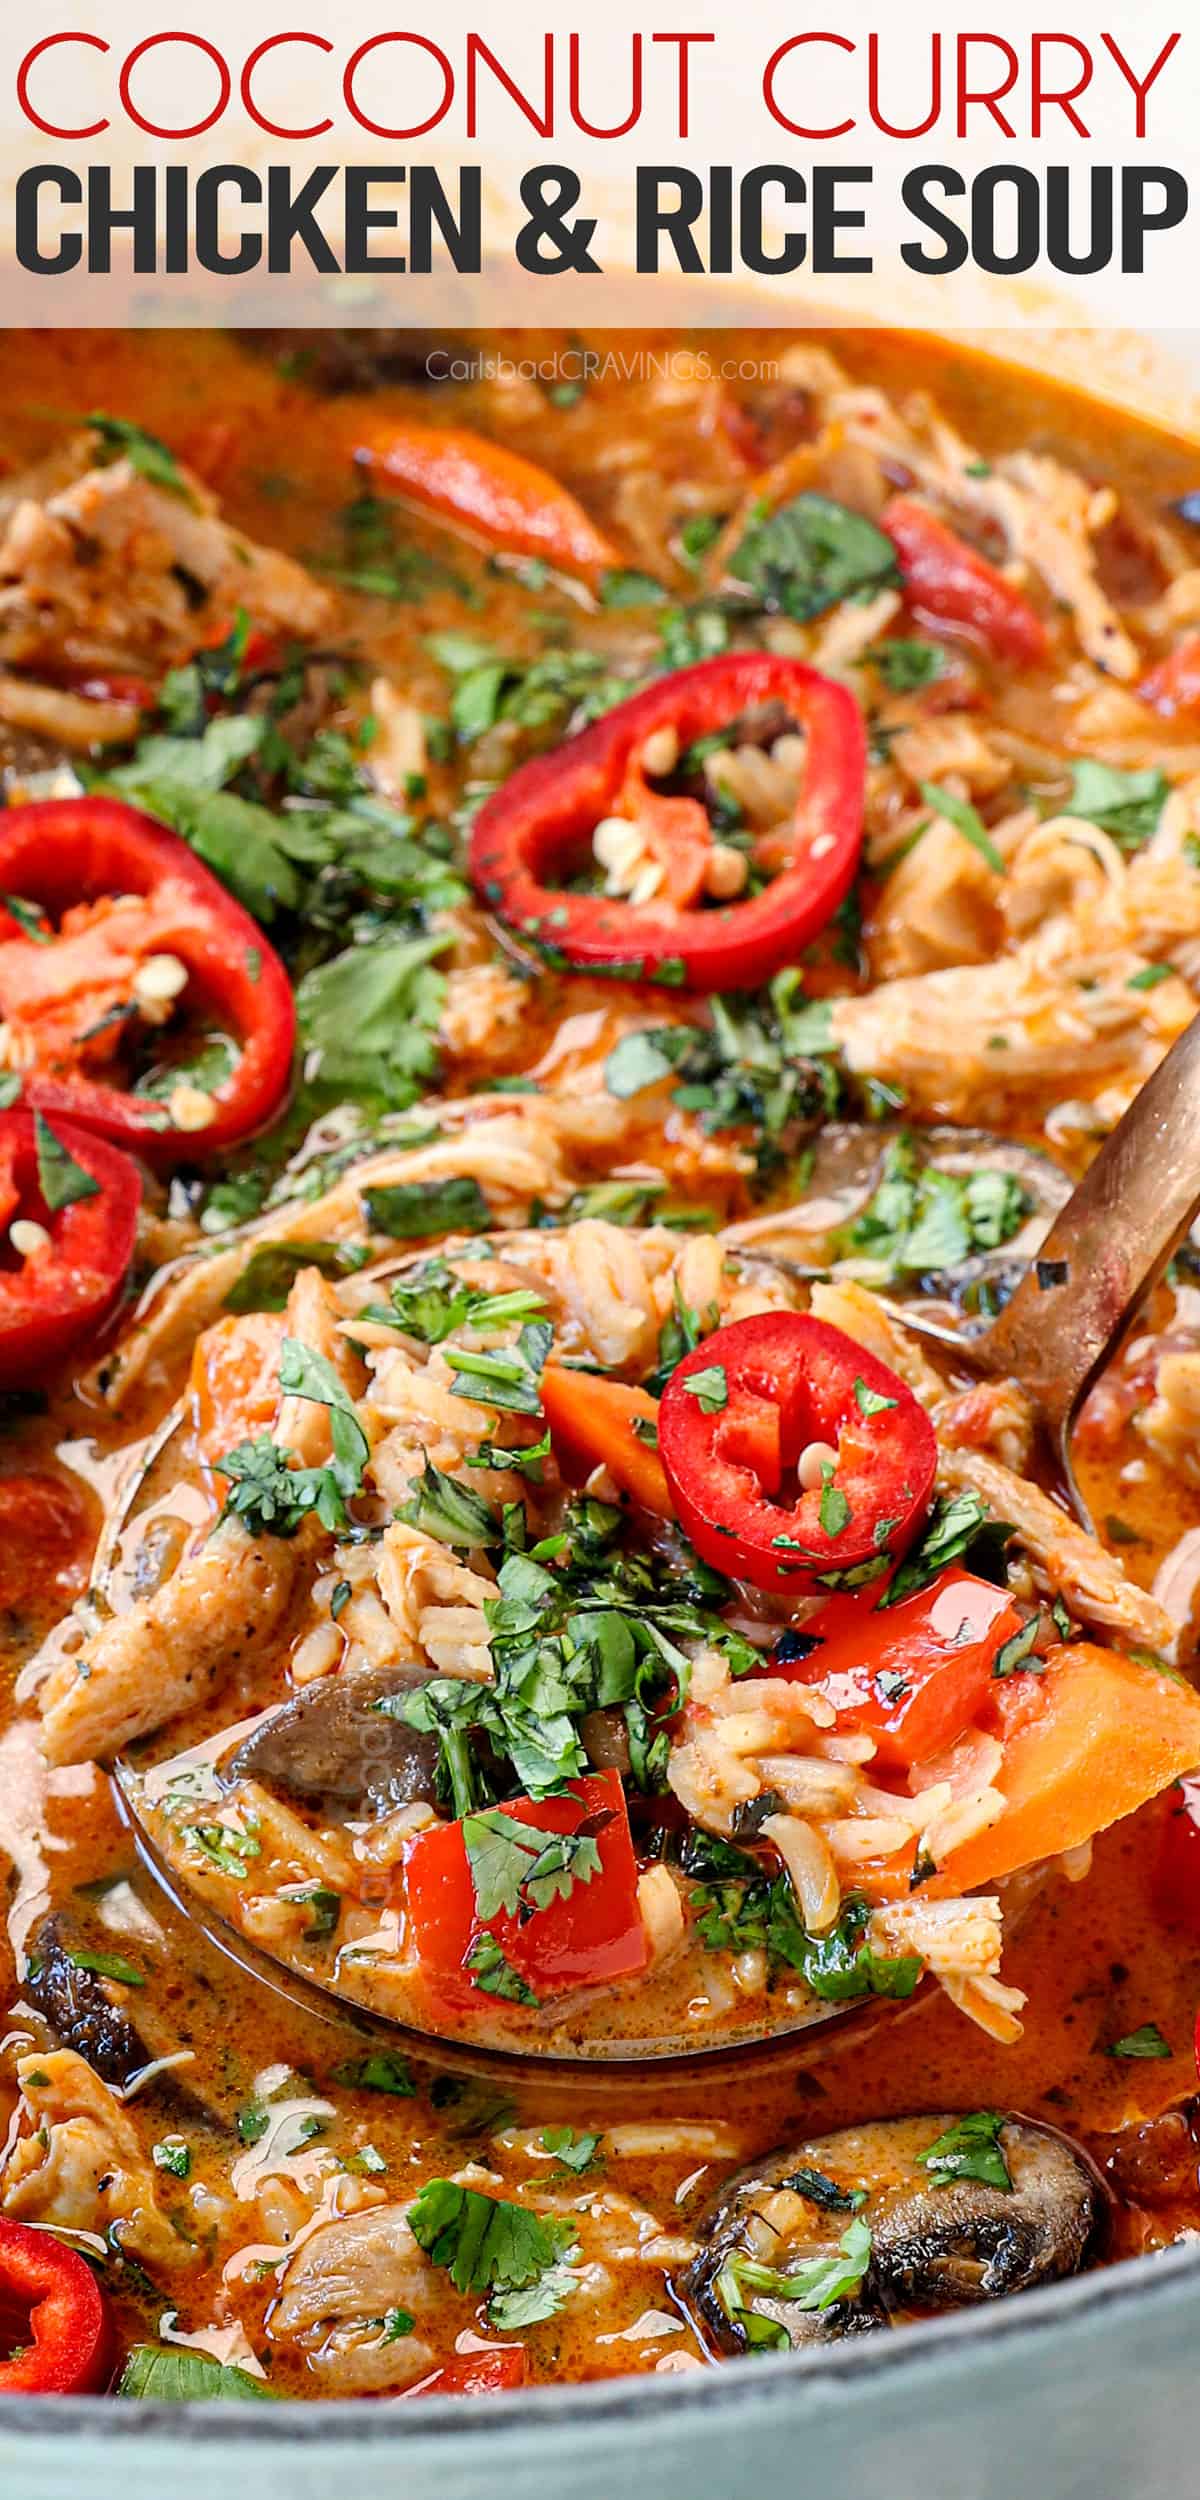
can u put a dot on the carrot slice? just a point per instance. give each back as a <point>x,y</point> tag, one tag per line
<point>1108,1735</point>
<point>234,1382</point>
<point>593,1420</point>
<point>486,489</point>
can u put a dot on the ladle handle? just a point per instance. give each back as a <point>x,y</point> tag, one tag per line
<point>1109,1244</point>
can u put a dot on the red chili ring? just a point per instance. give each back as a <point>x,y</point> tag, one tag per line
<point>531,825</point>
<point>738,1413</point>
<point>58,852</point>
<point>59,1296</point>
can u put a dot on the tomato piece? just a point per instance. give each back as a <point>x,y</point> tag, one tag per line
<point>948,583</point>
<point>913,1676</point>
<point>536,823</point>
<point>595,1933</point>
<point>592,1420</point>
<point>1176,1880</point>
<point>54,2318</point>
<point>475,2373</point>
<point>45,1541</point>
<point>58,1293</point>
<point>774,1528</point>
<point>1173,687</point>
<point>114,889</point>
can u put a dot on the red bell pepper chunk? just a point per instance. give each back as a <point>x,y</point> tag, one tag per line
<point>594,1933</point>
<point>71,858</point>
<point>913,1676</point>
<point>948,583</point>
<point>475,2373</point>
<point>1173,687</point>
<point>54,2319</point>
<point>1176,1880</point>
<point>56,1297</point>
<point>535,825</point>
<point>737,1492</point>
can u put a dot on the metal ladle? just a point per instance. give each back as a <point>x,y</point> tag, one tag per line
<point>1106,1249</point>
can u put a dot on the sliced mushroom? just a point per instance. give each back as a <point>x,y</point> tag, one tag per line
<point>932,2246</point>
<point>79,2010</point>
<point>342,1740</point>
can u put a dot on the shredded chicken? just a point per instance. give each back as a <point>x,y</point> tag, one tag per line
<point>111,569</point>
<point>82,2166</point>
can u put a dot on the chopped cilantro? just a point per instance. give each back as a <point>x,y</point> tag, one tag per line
<point>959,1529</point>
<point>965,820</point>
<point>412,1210</point>
<point>709,1388</point>
<point>484,2242</point>
<point>61,1180</point>
<point>1146,2041</point>
<point>1127,805</point>
<point>811,553</point>
<point>970,2149</point>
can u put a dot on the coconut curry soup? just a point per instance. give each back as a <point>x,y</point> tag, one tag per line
<point>535,923</point>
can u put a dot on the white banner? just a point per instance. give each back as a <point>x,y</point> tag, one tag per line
<point>469,165</point>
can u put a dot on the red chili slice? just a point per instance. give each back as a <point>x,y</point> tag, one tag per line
<point>738,1416</point>
<point>541,819</point>
<point>65,991</point>
<point>55,1296</point>
<point>1177,1869</point>
<point>53,2317</point>
<point>916,1675</point>
<point>948,583</point>
<point>592,1933</point>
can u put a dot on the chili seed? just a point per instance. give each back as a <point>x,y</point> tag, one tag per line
<point>812,1462</point>
<point>159,978</point>
<point>724,872</point>
<point>660,754</point>
<point>28,1238</point>
<point>190,1109</point>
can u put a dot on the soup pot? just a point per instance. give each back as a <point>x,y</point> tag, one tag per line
<point>1086,2387</point>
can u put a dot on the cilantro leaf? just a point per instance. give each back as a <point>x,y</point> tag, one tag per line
<point>809,554</point>
<point>1146,2041</point>
<point>709,1388</point>
<point>414,1210</point>
<point>517,1868</point>
<point>61,1180</point>
<point>449,1512</point>
<point>484,2242</point>
<point>368,1020</point>
<point>493,1973</point>
<point>965,819</point>
<point>958,1527</point>
<point>508,1377</point>
<point>814,2284</point>
<point>122,441</point>
<point>1127,805</point>
<point>970,2149</point>
<point>905,665</point>
<point>573,2153</point>
<point>269,1274</point>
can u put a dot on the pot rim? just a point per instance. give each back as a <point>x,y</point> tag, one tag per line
<point>1150,2282</point>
